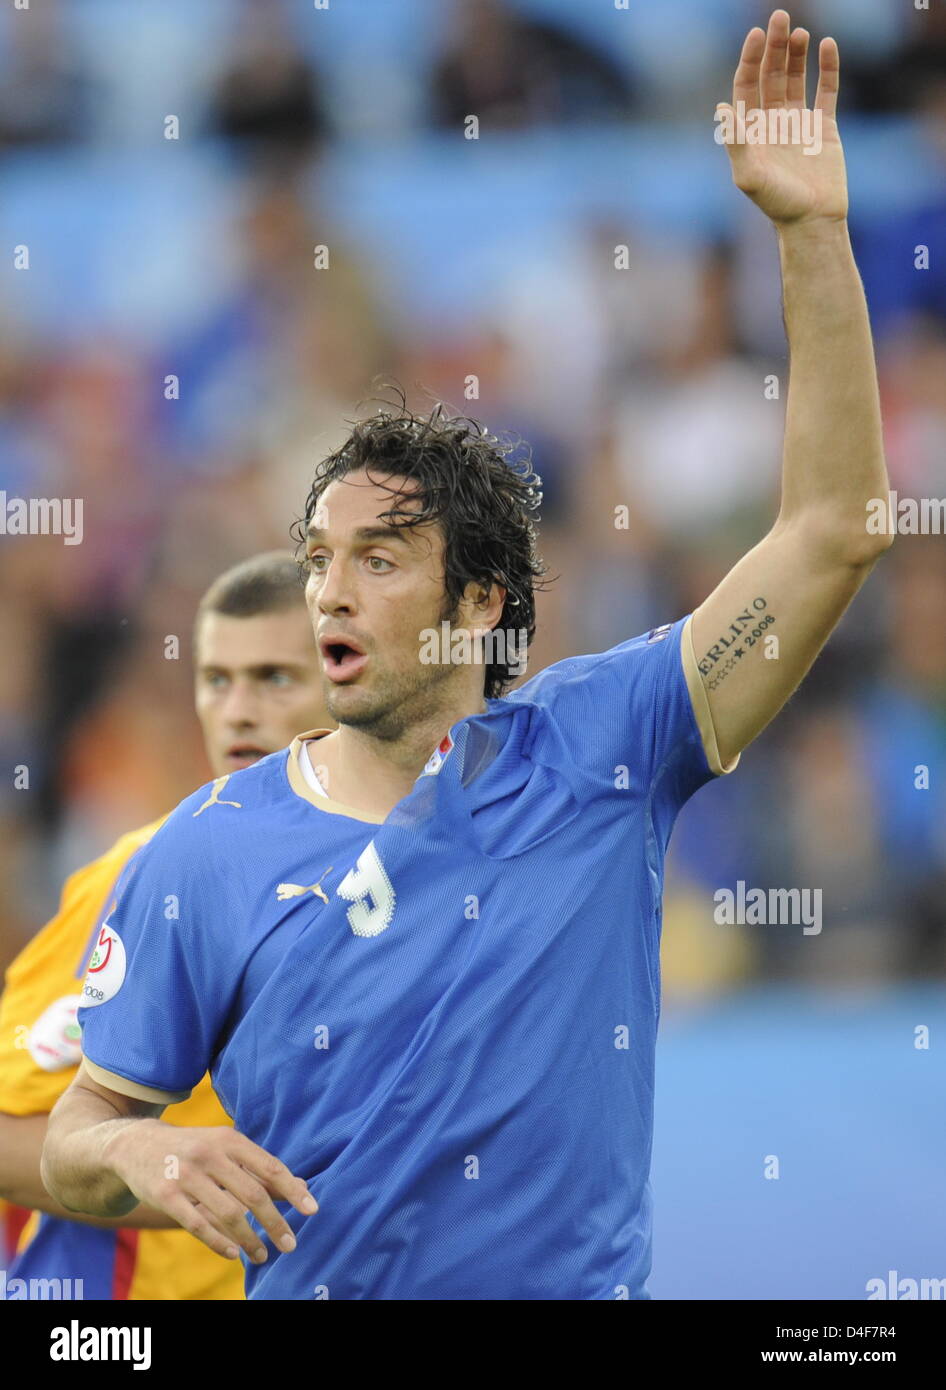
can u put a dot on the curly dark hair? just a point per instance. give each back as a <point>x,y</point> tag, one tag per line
<point>483,499</point>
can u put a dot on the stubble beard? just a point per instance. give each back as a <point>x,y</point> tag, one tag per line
<point>398,703</point>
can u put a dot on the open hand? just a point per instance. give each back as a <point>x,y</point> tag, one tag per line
<point>789,182</point>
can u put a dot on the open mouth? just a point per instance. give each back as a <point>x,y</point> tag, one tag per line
<point>245,754</point>
<point>343,660</point>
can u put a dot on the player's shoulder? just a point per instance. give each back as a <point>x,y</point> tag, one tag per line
<point>225,814</point>
<point>58,945</point>
<point>641,658</point>
<point>110,864</point>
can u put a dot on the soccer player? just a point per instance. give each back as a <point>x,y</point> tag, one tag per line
<point>420,954</point>
<point>257,685</point>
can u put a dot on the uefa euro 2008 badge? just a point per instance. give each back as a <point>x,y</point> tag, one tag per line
<point>436,760</point>
<point>657,634</point>
<point>106,970</point>
<point>55,1039</point>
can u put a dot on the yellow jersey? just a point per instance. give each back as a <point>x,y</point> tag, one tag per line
<point>39,1056</point>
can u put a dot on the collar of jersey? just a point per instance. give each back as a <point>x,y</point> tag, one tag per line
<point>302,789</point>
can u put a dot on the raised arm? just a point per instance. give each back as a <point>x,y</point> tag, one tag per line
<point>797,582</point>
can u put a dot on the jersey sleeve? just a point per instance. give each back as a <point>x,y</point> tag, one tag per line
<point>39,1035</point>
<point>40,1045</point>
<point>638,710</point>
<point>165,969</point>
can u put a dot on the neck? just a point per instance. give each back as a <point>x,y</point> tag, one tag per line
<point>372,774</point>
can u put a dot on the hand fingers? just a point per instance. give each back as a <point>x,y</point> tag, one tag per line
<point>273,1174</point>
<point>195,1218</point>
<point>773,82</point>
<point>797,64</point>
<point>222,1186</point>
<point>220,1204</point>
<point>745,85</point>
<point>213,1203</point>
<point>225,1195</point>
<point>228,1197</point>
<point>251,1195</point>
<point>829,78</point>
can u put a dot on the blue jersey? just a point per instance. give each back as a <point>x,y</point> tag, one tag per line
<point>443,1021</point>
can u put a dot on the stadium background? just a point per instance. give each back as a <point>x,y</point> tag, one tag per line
<point>643,387</point>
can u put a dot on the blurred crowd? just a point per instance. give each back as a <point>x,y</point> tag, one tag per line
<point>190,260</point>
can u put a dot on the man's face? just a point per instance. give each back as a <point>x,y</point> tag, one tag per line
<point>376,587</point>
<point>257,685</point>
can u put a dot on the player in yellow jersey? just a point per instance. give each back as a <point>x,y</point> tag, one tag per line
<point>257,686</point>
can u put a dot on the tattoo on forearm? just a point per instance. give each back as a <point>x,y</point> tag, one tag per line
<point>743,633</point>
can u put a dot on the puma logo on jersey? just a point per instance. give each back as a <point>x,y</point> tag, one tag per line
<point>214,798</point>
<point>285,891</point>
